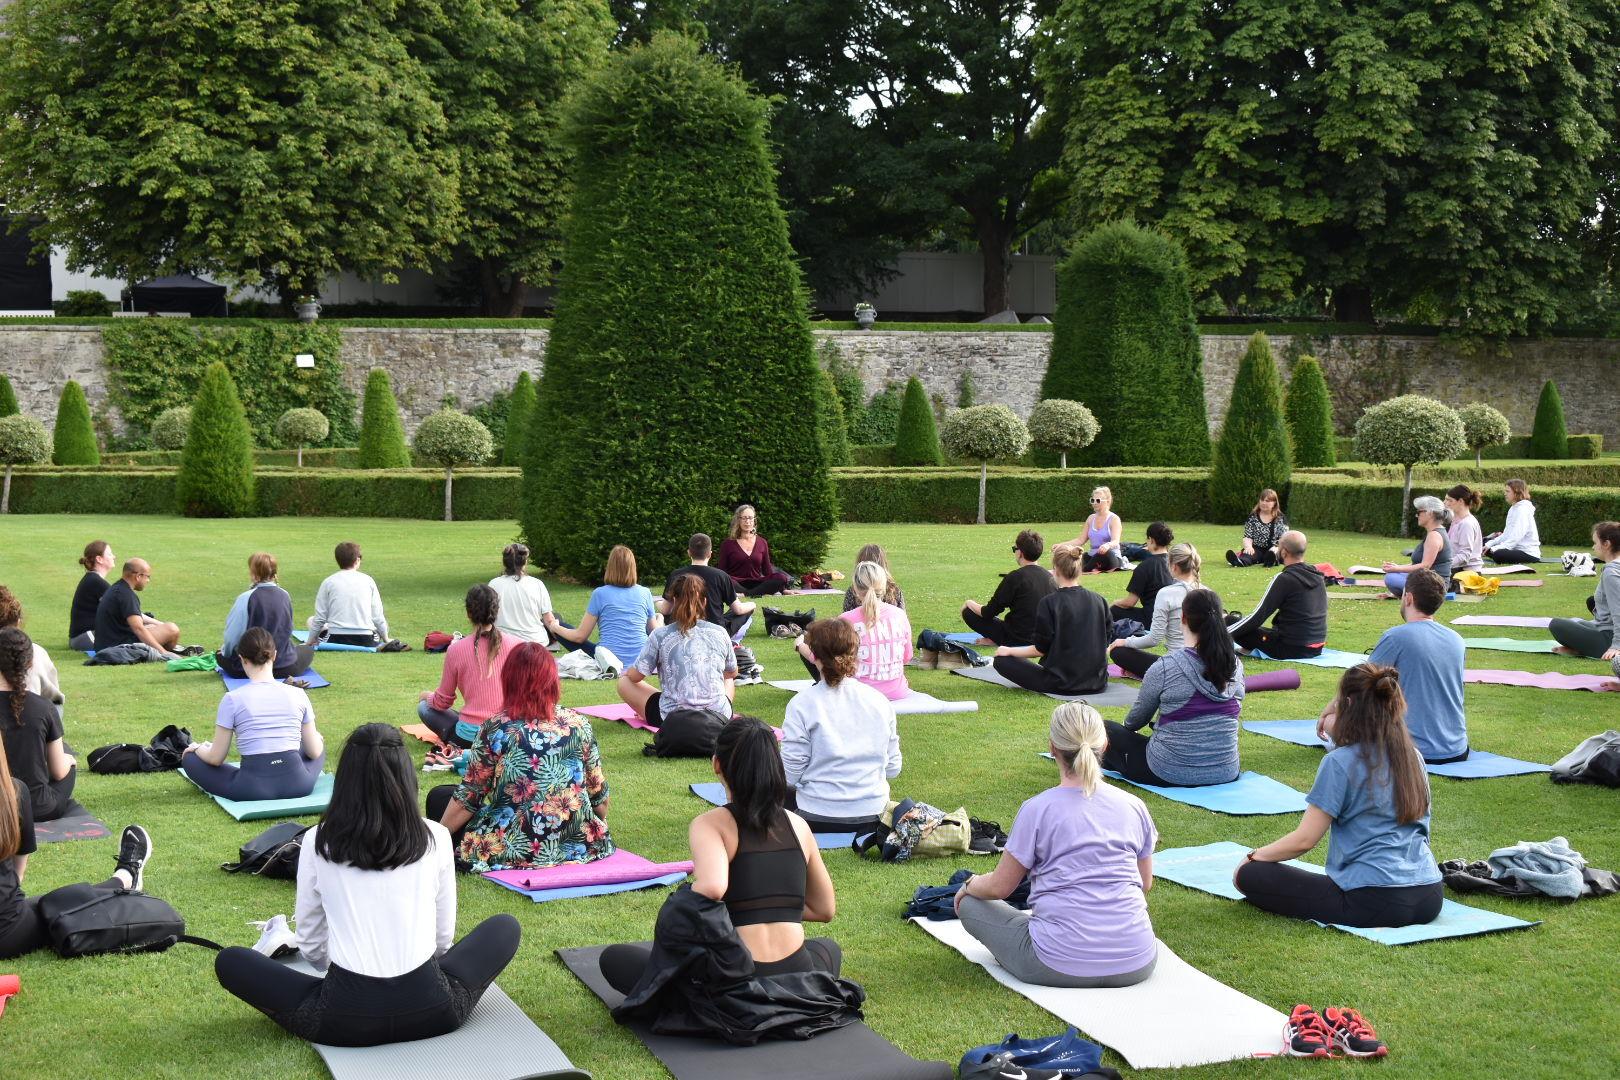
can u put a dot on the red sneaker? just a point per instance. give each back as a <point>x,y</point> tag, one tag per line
<point>1353,1035</point>
<point>1305,1035</point>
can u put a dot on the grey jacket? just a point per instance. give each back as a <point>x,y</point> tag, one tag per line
<point>1606,598</point>
<point>1191,750</point>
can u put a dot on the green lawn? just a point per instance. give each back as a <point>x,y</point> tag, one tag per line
<point>1530,1003</point>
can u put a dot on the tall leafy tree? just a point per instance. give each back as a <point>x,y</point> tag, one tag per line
<point>277,140</point>
<point>1375,155</point>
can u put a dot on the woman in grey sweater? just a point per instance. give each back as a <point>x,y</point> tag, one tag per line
<point>1197,694</point>
<point>1594,637</point>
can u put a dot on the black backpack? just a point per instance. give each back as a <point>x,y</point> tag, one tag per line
<point>775,617</point>
<point>118,922</point>
<point>162,753</point>
<point>686,733</point>
<point>272,854</point>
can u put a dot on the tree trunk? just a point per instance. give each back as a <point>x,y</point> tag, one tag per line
<point>995,245</point>
<point>300,457</point>
<point>984,473</point>
<point>501,301</point>
<point>1406,501</point>
<point>5,496</point>
<point>1353,303</point>
<point>1063,460</point>
<point>447,482</point>
<point>1477,450</point>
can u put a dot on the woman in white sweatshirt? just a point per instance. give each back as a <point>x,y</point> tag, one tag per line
<point>1518,542</point>
<point>1131,653</point>
<point>840,743</point>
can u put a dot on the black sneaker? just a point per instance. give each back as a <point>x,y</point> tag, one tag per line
<point>393,645</point>
<point>1352,1035</point>
<point>134,848</point>
<point>1306,1035</point>
<point>193,650</point>
<point>1232,558</point>
<point>1000,1067</point>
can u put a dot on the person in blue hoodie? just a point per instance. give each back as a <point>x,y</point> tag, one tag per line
<point>265,605</point>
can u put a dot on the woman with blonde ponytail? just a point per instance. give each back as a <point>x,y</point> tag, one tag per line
<point>1131,653</point>
<point>884,633</point>
<point>1088,851</point>
<point>1372,793</point>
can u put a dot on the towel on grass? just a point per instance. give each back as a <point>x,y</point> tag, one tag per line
<point>1548,866</point>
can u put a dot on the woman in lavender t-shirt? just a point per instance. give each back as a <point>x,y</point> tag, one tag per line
<point>1088,850</point>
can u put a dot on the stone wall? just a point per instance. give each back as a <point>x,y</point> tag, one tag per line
<point>426,365</point>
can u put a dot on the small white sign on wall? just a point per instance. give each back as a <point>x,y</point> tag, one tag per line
<point>304,359</point>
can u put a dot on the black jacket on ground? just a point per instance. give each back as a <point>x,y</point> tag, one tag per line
<point>1072,632</point>
<point>1019,595</point>
<point>1298,597</point>
<point>700,981</point>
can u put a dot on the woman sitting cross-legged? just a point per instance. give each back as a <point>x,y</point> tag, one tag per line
<point>1595,637</point>
<point>1433,553</point>
<point>274,728</point>
<point>1072,629</point>
<point>746,556</point>
<point>1372,798</point>
<point>1264,527</point>
<point>1088,851</point>
<point>874,553</point>
<point>1131,653</point>
<point>693,660</point>
<point>265,605</point>
<point>840,742</point>
<point>472,667</point>
<point>623,609</point>
<point>1520,540</point>
<point>884,633</point>
<point>1197,694</point>
<point>376,911</point>
<point>757,878</point>
<point>31,729</point>
<point>534,794</point>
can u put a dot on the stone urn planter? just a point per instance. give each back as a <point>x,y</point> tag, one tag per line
<point>865,315</point>
<point>308,309</point>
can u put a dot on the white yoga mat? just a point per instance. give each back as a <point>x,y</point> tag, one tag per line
<point>1147,1024</point>
<point>914,702</point>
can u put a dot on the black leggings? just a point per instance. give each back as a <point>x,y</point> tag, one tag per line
<point>622,965</point>
<point>1274,646</point>
<point>987,626</point>
<point>1127,755</point>
<point>1305,894</point>
<point>861,826</point>
<point>345,1009</point>
<point>1033,676</point>
<point>1134,661</point>
<point>1507,556</point>
<point>438,801</point>
<point>60,795</point>
<point>287,775</point>
<point>776,583</point>
<point>28,932</point>
<point>296,664</point>
<point>1111,560</point>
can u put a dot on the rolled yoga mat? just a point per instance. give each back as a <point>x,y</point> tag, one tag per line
<point>1118,693</point>
<point>855,1052</point>
<point>10,987</point>
<point>332,646</point>
<point>77,824</point>
<point>1478,765</point>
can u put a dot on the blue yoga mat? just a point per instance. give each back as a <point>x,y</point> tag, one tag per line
<point>313,803</point>
<point>715,792</point>
<point>1479,764</point>
<point>332,646</point>
<point>312,677</point>
<point>1329,658</point>
<point>540,896</point>
<point>1210,868</point>
<point>1250,794</point>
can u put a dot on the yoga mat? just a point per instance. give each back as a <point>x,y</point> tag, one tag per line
<point>77,824</point>
<point>1146,1024</point>
<point>1533,622</point>
<point>331,646</point>
<point>313,803</point>
<point>1509,644</point>
<point>1255,682</point>
<point>1210,868</point>
<point>1338,595</point>
<point>498,1036</point>
<point>814,592</point>
<point>855,1052</point>
<point>312,678</point>
<point>618,711</point>
<point>715,793</point>
<point>1478,765</point>
<point>1329,658</point>
<point>913,703</point>
<point>540,896</point>
<point>1517,584</point>
<point>1117,694</point>
<point>619,867</point>
<point>1251,794</point>
<point>1543,680</point>
<point>422,732</point>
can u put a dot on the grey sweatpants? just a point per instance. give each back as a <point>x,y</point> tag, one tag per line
<point>1582,635</point>
<point>1004,930</point>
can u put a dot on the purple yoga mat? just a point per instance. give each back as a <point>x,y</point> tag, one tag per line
<point>1534,622</point>
<point>1287,679</point>
<point>1545,680</point>
<point>621,712</point>
<point>619,867</point>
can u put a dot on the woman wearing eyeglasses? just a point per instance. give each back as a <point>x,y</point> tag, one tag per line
<point>1101,537</point>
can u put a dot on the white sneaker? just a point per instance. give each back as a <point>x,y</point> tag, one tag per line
<point>276,938</point>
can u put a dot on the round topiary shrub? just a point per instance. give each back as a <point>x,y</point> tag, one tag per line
<point>916,438</point>
<point>382,436</point>
<point>1310,417</point>
<point>1253,452</point>
<point>1409,430</point>
<point>8,397</point>
<point>216,466</point>
<point>75,435</point>
<point>300,428</point>
<point>449,438</point>
<point>1061,427</point>
<point>84,302</point>
<point>680,375</point>
<point>1124,343</point>
<point>169,428</point>
<point>1549,438</point>
<point>23,441</point>
<point>984,433</point>
<point>1483,426</point>
<point>519,412</point>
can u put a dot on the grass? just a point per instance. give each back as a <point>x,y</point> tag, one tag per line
<point>1532,1003</point>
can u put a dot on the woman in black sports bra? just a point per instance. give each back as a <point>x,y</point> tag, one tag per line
<point>758,859</point>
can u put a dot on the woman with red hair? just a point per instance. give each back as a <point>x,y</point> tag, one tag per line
<point>534,794</point>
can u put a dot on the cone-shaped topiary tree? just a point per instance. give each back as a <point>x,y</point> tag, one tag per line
<point>75,435</point>
<point>300,428</point>
<point>681,370</point>
<point>1124,343</point>
<point>1549,438</point>
<point>834,430</point>
<point>1061,427</point>
<point>1310,417</point>
<point>216,466</point>
<point>8,397</point>
<point>519,411</point>
<point>382,436</point>
<point>966,392</point>
<point>984,433</point>
<point>1409,430</point>
<point>170,427</point>
<point>1253,451</point>
<point>449,438</point>
<point>1483,426</point>
<point>916,438</point>
<point>23,441</point>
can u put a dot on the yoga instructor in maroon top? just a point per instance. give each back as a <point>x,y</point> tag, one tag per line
<point>747,557</point>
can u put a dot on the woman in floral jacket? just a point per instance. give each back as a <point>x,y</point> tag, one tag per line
<point>534,794</point>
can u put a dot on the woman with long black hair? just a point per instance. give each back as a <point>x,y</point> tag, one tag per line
<point>376,912</point>
<point>32,731</point>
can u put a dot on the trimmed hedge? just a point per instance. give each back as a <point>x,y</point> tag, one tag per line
<point>951,495</point>
<point>1581,448</point>
<point>1554,473</point>
<point>1564,515</point>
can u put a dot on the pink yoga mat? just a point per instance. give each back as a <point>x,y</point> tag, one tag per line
<point>621,712</point>
<point>1534,622</point>
<point>1545,680</point>
<point>619,867</point>
<point>1287,679</point>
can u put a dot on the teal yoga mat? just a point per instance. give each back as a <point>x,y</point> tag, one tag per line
<point>1252,794</point>
<point>1509,644</point>
<point>1479,764</point>
<point>716,793</point>
<point>1210,868</point>
<point>1329,658</point>
<point>310,804</point>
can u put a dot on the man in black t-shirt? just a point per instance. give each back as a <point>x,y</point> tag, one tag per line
<point>120,621</point>
<point>1019,594</point>
<point>1147,578</point>
<point>724,608</point>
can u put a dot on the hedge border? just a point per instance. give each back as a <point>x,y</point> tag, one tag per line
<point>1581,448</point>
